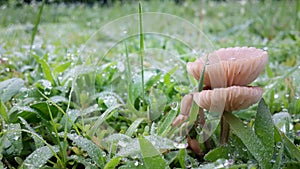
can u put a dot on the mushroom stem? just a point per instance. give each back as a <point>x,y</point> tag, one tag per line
<point>225,128</point>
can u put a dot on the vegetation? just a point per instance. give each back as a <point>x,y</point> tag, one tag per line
<point>71,91</point>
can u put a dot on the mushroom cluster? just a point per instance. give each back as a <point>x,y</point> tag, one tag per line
<point>228,72</point>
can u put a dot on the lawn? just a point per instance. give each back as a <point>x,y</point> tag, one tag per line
<point>91,86</point>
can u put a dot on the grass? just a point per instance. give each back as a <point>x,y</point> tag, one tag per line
<point>77,98</point>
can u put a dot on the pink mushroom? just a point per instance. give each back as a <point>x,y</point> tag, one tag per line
<point>230,66</point>
<point>228,99</point>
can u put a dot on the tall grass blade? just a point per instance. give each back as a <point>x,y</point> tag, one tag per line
<point>142,48</point>
<point>35,29</point>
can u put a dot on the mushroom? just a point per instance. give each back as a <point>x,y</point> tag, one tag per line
<point>230,66</point>
<point>228,99</point>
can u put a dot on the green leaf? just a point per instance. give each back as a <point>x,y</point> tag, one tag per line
<point>151,156</point>
<point>264,129</point>
<point>62,67</point>
<point>91,148</point>
<point>217,153</point>
<point>46,68</point>
<point>101,119</point>
<point>37,22</point>
<point>193,113</point>
<point>113,163</point>
<point>3,112</point>
<point>85,161</point>
<point>181,157</point>
<point>164,126</point>
<point>39,157</point>
<point>293,151</point>
<point>132,128</point>
<point>38,143</point>
<point>249,138</point>
<point>9,88</point>
<point>167,77</point>
<point>157,103</point>
<point>13,140</point>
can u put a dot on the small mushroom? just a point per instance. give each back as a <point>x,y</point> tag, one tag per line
<point>230,66</point>
<point>185,107</point>
<point>228,99</point>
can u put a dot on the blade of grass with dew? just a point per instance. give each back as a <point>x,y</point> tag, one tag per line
<point>142,48</point>
<point>61,110</point>
<point>62,147</point>
<point>102,118</point>
<point>133,127</point>
<point>127,62</point>
<point>35,29</point>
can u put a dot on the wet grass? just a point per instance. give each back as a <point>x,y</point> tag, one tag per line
<point>54,100</point>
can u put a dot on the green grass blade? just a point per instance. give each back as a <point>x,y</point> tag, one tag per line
<point>3,112</point>
<point>290,146</point>
<point>37,22</point>
<point>101,119</point>
<point>132,128</point>
<point>164,126</point>
<point>113,163</point>
<point>142,48</point>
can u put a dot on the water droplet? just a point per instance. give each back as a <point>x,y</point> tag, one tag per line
<point>136,163</point>
<point>16,137</point>
<point>180,145</point>
<point>276,96</point>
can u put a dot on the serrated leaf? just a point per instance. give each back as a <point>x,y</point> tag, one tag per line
<point>39,157</point>
<point>264,129</point>
<point>217,153</point>
<point>151,156</point>
<point>163,127</point>
<point>91,148</point>
<point>113,163</point>
<point>9,88</point>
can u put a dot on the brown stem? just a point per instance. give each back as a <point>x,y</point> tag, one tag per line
<point>225,128</point>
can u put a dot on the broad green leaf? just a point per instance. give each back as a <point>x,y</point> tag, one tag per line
<point>91,148</point>
<point>264,129</point>
<point>39,157</point>
<point>151,156</point>
<point>157,103</point>
<point>217,153</point>
<point>163,127</point>
<point>249,138</point>
<point>3,112</point>
<point>13,140</point>
<point>132,128</point>
<point>113,163</point>
<point>181,157</point>
<point>9,88</point>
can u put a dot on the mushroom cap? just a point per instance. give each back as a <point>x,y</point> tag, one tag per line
<point>230,66</point>
<point>228,99</point>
